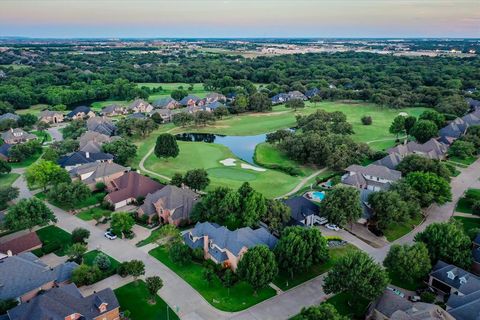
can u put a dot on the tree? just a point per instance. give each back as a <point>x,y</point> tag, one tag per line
<point>240,104</point>
<point>135,268</point>
<point>76,251</point>
<point>5,166</point>
<point>424,130</point>
<point>409,123</point>
<point>144,126</point>
<point>367,120</point>
<point>202,118</point>
<point>447,241</point>
<point>80,235</point>
<point>51,155</point>
<point>276,216</point>
<point>102,261</point>
<point>417,163</point>
<point>22,151</point>
<point>434,116</point>
<point>28,213</point>
<point>342,205</point>
<point>220,112</point>
<point>179,94</point>
<point>86,275</point>
<point>299,248</point>
<point>454,104</point>
<point>462,149</point>
<point>166,146</point>
<point>7,194</point>
<point>196,179</point>
<point>121,223</point>
<point>122,150</point>
<point>254,206</point>
<point>398,126</point>
<point>228,280</point>
<point>157,118</point>
<point>409,262</point>
<point>430,188</point>
<point>388,207</point>
<point>179,253</point>
<point>357,274</point>
<point>153,284</point>
<point>316,99</point>
<point>69,194</point>
<point>260,102</point>
<point>27,120</point>
<point>8,304</point>
<point>257,267</point>
<point>324,311</point>
<point>42,126</point>
<point>45,173</point>
<point>475,207</point>
<point>208,275</point>
<point>182,119</point>
<point>177,179</point>
<point>74,129</point>
<point>295,104</point>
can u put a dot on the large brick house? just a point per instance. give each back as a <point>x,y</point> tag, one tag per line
<point>98,172</point>
<point>49,116</point>
<point>16,136</point>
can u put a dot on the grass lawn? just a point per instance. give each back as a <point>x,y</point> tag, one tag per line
<point>352,307</point>
<point>99,105</point>
<point>467,161</point>
<point>43,136</point>
<point>269,156</point>
<point>241,294</point>
<point>398,230</point>
<point>95,198</point>
<point>284,282</point>
<point>88,214</point>
<point>6,179</point>
<point>465,203</point>
<point>35,109</point>
<point>89,257</point>
<point>135,298</point>
<point>469,223</point>
<point>53,234</point>
<point>396,281</point>
<point>27,162</point>
<point>168,88</point>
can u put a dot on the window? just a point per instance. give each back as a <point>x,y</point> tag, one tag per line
<point>450,275</point>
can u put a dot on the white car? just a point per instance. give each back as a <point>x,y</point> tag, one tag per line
<point>396,291</point>
<point>109,235</point>
<point>332,226</point>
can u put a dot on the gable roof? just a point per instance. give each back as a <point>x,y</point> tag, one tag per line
<point>132,185</point>
<point>77,110</point>
<point>163,102</point>
<point>4,149</point>
<point>296,95</point>
<point>10,116</point>
<point>376,171</point>
<point>137,103</point>
<point>61,302</point>
<point>20,244</point>
<point>102,125</point>
<point>442,270</point>
<point>137,115</point>
<point>98,170</point>
<point>49,113</point>
<point>186,99</point>
<point>432,149</point>
<point>390,161</point>
<point>112,108</point>
<point>178,200</point>
<point>81,157</point>
<point>17,134</point>
<point>312,92</point>
<point>301,208</point>
<point>94,136</point>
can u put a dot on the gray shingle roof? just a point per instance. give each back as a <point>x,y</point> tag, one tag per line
<point>163,102</point>
<point>441,272</point>
<point>186,99</point>
<point>376,171</point>
<point>17,134</point>
<point>102,125</point>
<point>97,170</point>
<point>10,116</point>
<point>4,149</point>
<point>77,110</point>
<point>390,161</point>
<point>432,149</point>
<point>80,157</point>
<point>301,208</point>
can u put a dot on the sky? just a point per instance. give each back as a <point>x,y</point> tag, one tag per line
<point>240,18</point>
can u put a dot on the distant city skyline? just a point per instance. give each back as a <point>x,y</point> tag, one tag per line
<point>240,18</point>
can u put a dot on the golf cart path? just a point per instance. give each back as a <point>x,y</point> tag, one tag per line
<point>302,183</point>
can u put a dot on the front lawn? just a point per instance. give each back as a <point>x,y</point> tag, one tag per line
<point>241,294</point>
<point>95,199</point>
<point>54,240</point>
<point>88,214</point>
<point>27,162</point>
<point>135,298</point>
<point>43,136</point>
<point>7,179</point>
<point>468,223</point>
<point>467,161</point>
<point>89,257</point>
<point>353,307</point>
<point>398,230</point>
<point>285,282</point>
<point>466,202</point>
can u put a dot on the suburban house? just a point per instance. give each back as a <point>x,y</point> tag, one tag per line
<point>211,106</point>
<point>303,211</point>
<point>12,245</point>
<point>473,104</point>
<point>113,110</point>
<point>279,98</point>
<point>459,127</point>
<point>92,141</point>
<point>476,255</point>
<point>431,149</point>
<point>101,125</point>
<point>372,177</point>
<point>78,158</point>
<point>129,187</point>
<point>9,116</point>
<point>48,116</point>
<point>391,161</point>
<point>366,208</point>
<point>17,135</point>
<point>296,95</point>
<point>189,101</point>
<point>166,103</point>
<point>97,172</point>
<point>80,113</point>
<point>137,115</point>
<point>23,276</point>
<point>5,151</point>
<point>214,97</point>
<point>312,93</point>
<point>68,303</point>
<point>140,105</point>
<point>462,287</point>
<point>223,246</point>
<point>170,204</point>
<point>165,114</point>
<point>394,307</point>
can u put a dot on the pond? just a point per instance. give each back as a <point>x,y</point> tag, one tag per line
<point>241,146</point>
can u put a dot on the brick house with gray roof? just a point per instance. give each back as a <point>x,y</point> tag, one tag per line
<point>166,103</point>
<point>372,177</point>
<point>17,135</point>
<point>93,173</point>
<point>226,247</point>
<point>431,149</point>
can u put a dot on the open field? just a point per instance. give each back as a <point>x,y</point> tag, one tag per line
<point>35,109</point>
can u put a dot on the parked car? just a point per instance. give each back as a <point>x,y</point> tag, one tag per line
<point>110,235</point>
<point>396,291</point>
<point>322,221</point>
<point>414,298</point>
<point>332,226</point>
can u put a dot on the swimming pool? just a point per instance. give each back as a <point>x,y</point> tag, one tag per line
<point>318,195</point>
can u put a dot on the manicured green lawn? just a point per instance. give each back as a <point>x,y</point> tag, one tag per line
<point>407,285</point>
<point>465,203</point>
<point>241,294</point>
<point>168,88</point>
<point>353,307</point>
<point>27,162</point>
<point>88,214</point>
<point>469,223</point>
<point>466,161</point>
<point>285,282</point>
<point>35,109</point>
<point>43,136</point>
<point>398,230</point>
<point>269,156</point>
<point>6,179</point>
<point>53,234</point>
<point>89,257</point>
<point>95,198</point>
<point>135,297</point>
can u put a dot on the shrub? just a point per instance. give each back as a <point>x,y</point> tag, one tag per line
<point>100,186</point>
<point>102,261</point>
<point>476,207</point>
<point>427,297</point>
<point>367,120</point>
<point>86,275</point>
<point>180,253</point>
<point>80,235</point>
<point>122,269</point>
<point>197,254</point>
<point>51,247</point>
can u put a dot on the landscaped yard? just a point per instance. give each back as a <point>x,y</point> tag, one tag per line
<point>469,223</point>
<point>285,282</point>
<point>135,297</point>
<point>88,214</point>
<point>407,285</point>
<point>53,237</point>
<point>94,199</point>
<point>466,202</point>
<point>398,230</point>
<point>467,161</point>
<point>43,136</point>
<point>6,179</point>
<point>241,294</point>
<point>27,162</point>
<point>353,307</point>
<point>89,257</point>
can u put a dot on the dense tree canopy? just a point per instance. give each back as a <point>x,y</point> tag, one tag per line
<point>28,213</point>
<point>417,163</point>
<point>257,267</point>
<point>166,146</point>
<point>409,262</point>
<point>342,205</point>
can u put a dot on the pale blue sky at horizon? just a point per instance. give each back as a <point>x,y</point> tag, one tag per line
<point>240,18</point>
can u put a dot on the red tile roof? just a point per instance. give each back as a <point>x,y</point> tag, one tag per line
<point>132,185</point>
<point>21,244</point>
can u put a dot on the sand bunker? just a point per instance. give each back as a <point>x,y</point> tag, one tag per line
<point>229,162</point>
<point>248,166</point>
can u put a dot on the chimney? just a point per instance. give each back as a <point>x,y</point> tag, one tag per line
<point>87,155</point>
<point>9,253</point>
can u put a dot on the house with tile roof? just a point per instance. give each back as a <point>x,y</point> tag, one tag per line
<point>23,276</point>
<point>166,103</point>
<point>113,110</point>
<point>76,159</point>
<point>226,247</point>
<point>17,135</point>
<point>171,204</point>
<point>140,106</point>
<point>97,172</point>
<point>80,113</point>
<point>129,187</point>
<point>101,125</point>
<point>372,177</point>
<point>49,116</point>
<point>18,244</point>
<point>67,302</point>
